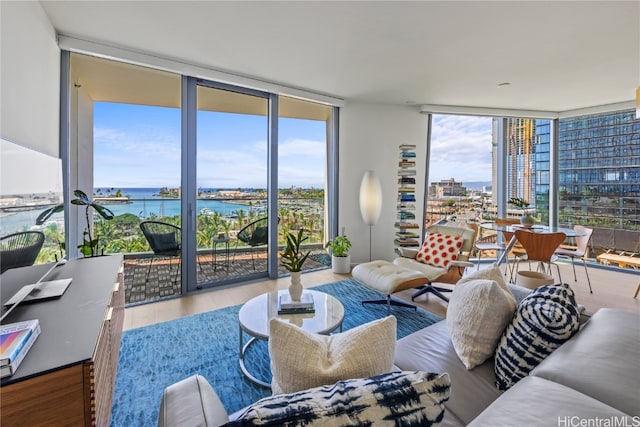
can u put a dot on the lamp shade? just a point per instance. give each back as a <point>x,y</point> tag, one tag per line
<point>370,198</point>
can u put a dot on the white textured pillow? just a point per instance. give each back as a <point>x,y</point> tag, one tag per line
<point>477,315</point>
<point>491,273</point>
<point>302,360</point>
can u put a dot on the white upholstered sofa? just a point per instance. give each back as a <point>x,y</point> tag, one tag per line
<point>594,375</point>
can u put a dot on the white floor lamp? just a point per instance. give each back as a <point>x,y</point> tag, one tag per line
<point>370,201</point>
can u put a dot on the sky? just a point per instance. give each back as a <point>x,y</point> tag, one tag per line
<point>139,146</point>
<point>460,148</point>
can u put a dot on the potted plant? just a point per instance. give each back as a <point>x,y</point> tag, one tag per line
<point>340,257</point>
<point>292,259</point>
<point>526,219</point>
<point>90,245</point>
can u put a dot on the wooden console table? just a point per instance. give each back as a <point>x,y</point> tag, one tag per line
<point>68,376</point>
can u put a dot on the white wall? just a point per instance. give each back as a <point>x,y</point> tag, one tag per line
<point>30,77</point>
<point>369,139</point>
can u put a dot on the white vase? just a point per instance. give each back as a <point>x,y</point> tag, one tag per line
<point>527,220</point>
<point>341,264</point>
<point>295,288</point>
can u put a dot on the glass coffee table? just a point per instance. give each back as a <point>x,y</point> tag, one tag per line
<point>255,314</point>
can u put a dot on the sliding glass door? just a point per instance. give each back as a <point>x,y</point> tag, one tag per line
<point>231,172</point>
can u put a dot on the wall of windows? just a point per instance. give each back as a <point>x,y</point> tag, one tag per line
<point>598,172</point>
<point>198,155</point>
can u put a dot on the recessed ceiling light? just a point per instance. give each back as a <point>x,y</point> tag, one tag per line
<point>504,84</point>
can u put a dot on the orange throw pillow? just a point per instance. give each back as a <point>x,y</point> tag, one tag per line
<point>439,249</point>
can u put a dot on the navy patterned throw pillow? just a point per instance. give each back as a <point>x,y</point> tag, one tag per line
<point>392,399</point>
<point>545,319</point>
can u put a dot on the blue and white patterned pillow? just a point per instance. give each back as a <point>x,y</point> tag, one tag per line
<point>392,399</point>
<point>545,319</point>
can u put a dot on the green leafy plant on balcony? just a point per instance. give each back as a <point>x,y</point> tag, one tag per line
<point>90,244</point>
<point>518,202</point>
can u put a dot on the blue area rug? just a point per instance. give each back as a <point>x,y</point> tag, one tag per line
<point>156,356</point>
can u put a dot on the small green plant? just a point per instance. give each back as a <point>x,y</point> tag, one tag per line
<point>526,219</point>
<point>90,245</point>
<point>339,246</point>
<point>292,257</point>
<point>518,202</point>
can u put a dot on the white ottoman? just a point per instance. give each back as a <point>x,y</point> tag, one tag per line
<point>387,278</point>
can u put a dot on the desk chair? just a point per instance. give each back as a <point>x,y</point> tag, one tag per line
<point>582,243</point>
<point>539,247</point>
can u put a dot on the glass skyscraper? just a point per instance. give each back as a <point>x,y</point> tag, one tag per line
<point>599,170</point>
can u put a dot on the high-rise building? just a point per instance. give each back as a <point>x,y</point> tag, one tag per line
<point>447,188</point>
<point>599,170</point>
<point>542,168</point>
<point>521,158</point>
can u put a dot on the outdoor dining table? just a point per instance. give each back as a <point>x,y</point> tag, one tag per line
<point>538,228</point>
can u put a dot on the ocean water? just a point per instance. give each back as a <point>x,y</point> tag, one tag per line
<point>143,202</point>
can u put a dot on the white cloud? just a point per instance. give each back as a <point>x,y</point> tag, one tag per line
<point>461,148</point>
<point>302,147</point>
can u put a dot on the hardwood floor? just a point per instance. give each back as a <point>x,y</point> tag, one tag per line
<point>610,289</point>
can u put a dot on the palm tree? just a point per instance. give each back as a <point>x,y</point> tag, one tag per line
<point>242,219</point>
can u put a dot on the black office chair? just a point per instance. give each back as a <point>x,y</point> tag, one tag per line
<point>254,234</point>
<point>165,240</point>
<point>20,249</point>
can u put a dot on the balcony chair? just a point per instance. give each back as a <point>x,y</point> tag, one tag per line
<point>458,242</point>
<point>582,244</point>
<point>165,241</point>
<point>20,249</point>
<point>540,247</point>
<point>254,234</point>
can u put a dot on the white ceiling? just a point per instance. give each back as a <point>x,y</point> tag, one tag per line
<point>556,55</point>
